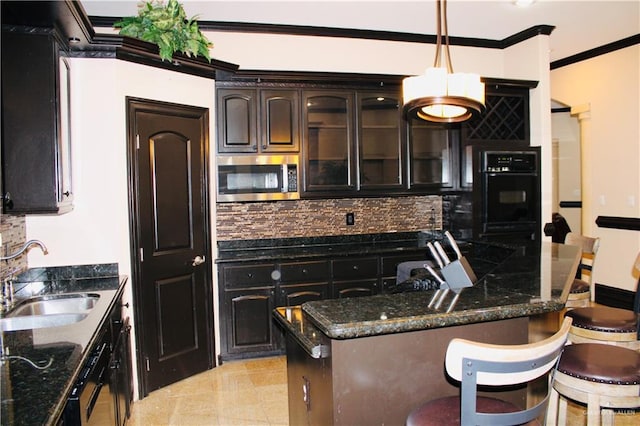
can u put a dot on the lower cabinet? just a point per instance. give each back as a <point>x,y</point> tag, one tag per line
<point>246,321</point>
<point>250,291</point>
<point>120,373</point>
<point>355,277</point>
<point>103,392</point>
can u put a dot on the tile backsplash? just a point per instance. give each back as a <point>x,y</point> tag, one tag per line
<point>312,218</point>
<point>14,235</point>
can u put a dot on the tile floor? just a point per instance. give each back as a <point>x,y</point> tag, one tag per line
<point>249,393</point>
<point>237,393</point>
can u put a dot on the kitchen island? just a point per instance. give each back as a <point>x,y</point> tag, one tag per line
<point>370,360</point>
<point>40,366</point>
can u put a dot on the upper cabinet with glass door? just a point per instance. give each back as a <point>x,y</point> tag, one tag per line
<point>380,141</point>
<point>329,144</point>
<point>431,155</point>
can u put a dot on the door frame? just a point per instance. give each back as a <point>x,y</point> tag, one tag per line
<point>133,105</point>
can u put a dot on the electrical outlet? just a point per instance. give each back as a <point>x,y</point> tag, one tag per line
<point>351,219</point>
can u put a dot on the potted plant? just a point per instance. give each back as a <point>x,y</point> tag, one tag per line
<point>168,27</point>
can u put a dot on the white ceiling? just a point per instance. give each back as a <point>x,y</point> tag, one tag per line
<point>580,25</point>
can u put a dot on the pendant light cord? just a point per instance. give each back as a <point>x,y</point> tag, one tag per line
<point>446,36</point>
<point>436,62</point>
<point>441,21</point>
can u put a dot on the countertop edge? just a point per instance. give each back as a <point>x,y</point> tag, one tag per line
<point>426,322</point>
<point>58,409</point>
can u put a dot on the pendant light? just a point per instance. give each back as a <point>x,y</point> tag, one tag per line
<point>440,95</point>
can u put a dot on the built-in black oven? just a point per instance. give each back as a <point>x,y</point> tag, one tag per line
<point>510,194</point>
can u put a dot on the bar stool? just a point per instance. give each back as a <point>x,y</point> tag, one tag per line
<point>487,365</point>
<point>603,377</point>
<point>604,324</point>
<point>583,287</point>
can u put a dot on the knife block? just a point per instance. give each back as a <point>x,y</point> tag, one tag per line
<point>458,274</point>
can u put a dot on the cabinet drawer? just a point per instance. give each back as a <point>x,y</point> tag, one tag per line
<point>345,269</point>
<point>390,263</point>
<point>305,272</point>
<point>246,276</point>
<point>356,288</point>
<point>292,295</point>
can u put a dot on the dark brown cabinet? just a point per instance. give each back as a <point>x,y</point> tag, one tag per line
<point>303,282</point>
<point>103,391</point>
<point>352,141</point>
<point>328,135</point>
<point>431,153</point>
<point>355,277</point>
<point>36,144</point>
<point>280,120</point>
<point>120,376</point>
<point>506,117</point>
<point>253,120</point>
<point>249,327</point>
<point>247,299</point>
<point>250,291</point>
<point>380,142</point>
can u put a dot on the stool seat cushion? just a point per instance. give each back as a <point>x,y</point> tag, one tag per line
<point>446,411</point>
<point>579,286</point>
<point>601,363</point>
<point>605,319</point>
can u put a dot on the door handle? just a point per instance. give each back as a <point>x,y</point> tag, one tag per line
<point>198,260</point>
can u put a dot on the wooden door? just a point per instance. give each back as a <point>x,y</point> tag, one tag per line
<point>171,261</point>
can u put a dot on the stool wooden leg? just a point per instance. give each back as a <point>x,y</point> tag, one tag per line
<point>593,410</point>
<point>552,408</point>
<point>608,417</point>
<point>562,411</point>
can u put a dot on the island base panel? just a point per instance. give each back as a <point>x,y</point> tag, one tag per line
<point>380,379</point>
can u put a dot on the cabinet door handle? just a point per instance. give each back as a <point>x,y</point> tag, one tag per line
<point>355,267</point>
<point>198,260</point>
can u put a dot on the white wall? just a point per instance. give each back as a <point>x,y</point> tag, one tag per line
<point>608,87</point>
<point>529,60</point>
<point>97,230</point>
<point>308,53</point>
<point>566,134</point>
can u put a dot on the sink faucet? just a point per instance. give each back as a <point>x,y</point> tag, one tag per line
<point>25,247</point>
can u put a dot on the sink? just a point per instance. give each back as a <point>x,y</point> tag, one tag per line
<point>39,321</point>
<point>49,311</point>
<point>76,303</point>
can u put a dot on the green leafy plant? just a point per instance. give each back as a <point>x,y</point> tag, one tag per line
<point>167,27</point>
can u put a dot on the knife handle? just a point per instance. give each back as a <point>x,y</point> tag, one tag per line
<point>435,255</point>
<point>453,244</point>
<point>444,256</point>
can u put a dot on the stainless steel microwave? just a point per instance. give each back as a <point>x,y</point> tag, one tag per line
<point>257,178</point>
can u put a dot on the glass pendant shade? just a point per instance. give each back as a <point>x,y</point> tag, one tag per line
<point>440,95</point>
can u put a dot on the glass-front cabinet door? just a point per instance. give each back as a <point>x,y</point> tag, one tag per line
<point>329,147</point>
<point>380,140</point>
<point>431,155</point>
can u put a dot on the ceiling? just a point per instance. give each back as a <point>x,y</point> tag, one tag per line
<point>580,25</point>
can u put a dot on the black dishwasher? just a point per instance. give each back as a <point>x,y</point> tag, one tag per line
<point>91,401</point>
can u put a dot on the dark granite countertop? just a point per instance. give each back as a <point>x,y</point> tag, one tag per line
<point>328,246</point>
<point>533,279</point>
<point>36,396</point>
